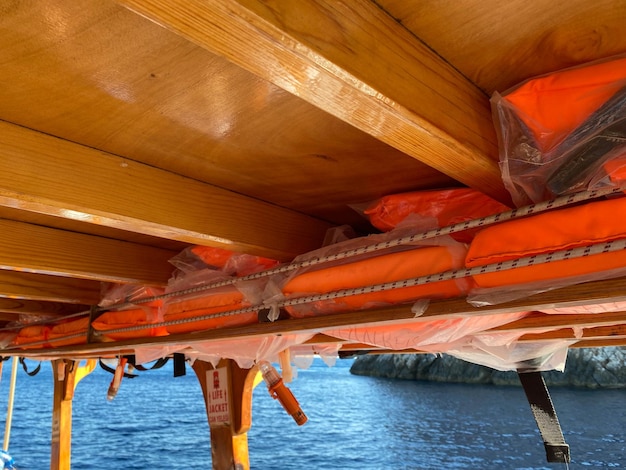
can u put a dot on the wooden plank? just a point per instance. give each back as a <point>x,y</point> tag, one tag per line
<point>358,64</point>
<point>583,294</point>
<point>599,332</point>
<point>499,44</point>
<point>600,343</point>
<point>47,175</point>
<point>229,442</point>
<point>541,321</point>
<point>43,250</point>
<point>142,92</point>
<point>35,307</point>
<point>149,89</point>
<point>31,286</point>
<point>63,372</point>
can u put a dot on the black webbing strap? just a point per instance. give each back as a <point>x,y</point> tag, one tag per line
<point>157,364</point>
<point>557,451</point>
<point>33,372</point>
<point>179,365</point>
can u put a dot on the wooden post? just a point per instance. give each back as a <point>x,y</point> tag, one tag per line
<point>227,392</point>
<point>66,375</point>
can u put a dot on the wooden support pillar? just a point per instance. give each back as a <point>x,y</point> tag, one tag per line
<point>227,392</point>
<point>66,375</point>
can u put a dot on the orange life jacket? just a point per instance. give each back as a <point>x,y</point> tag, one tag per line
<point>562,229</point>
<point>377,270</point>
<point>433,209</point>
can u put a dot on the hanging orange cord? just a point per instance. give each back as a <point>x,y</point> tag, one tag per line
<point>117,378</point>
<point>279,391</point>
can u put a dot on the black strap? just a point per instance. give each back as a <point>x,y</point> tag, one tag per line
<point>557,451</point>
<point>179,365</point>
<point>157,364</point>
<point>33,372</point>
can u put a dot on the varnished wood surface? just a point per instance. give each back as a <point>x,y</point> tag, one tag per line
<point>50,251</point>
<point>43,174</point>
<point>320,51</point>
<point>39,310</point>
<point>32,286</point>
<point>97,74</point>
<point>499,44</point>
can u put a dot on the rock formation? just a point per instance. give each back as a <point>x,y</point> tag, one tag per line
<point>587,368</point>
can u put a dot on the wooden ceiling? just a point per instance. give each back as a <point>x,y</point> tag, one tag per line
<point>132,129</point>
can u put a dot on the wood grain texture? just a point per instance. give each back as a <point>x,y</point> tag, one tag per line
<point>63,373</point>
<point>229,444</point>
<point>359,65</point>
<point>44,250</point>
<point>35,309</point>
<point>542,321</point>
<point>499,44</point>
<point>44,174</point>
<point>594,333</point>
<point>32,286</point>
<point>124,85</point>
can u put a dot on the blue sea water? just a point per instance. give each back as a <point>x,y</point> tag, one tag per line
<point>159,422</point>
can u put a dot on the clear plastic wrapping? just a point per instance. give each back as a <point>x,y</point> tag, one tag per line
<point>436,335</point>
<point>190,303</point>
<point>247,351</point>
<point>557,132</point>
<point>535,356</point>
<point>433,209</point>
<point>387,265</point>
<point>229,262</point>
<point>135,313</point>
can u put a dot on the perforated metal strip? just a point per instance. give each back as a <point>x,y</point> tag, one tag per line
<point>561,255</point>
<point>408,240</point>
<point>485,221</point>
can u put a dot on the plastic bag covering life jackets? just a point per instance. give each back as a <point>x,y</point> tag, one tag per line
<point>135,315</point>
<point>572,227</point>
<point>32,334</point>
<point>145,315</point>
<point>433,209</point>
<point>229,262</point>
<point>67,333</point>
<point>556,131</point>
<point>378,269</point>
<point>207,302</point>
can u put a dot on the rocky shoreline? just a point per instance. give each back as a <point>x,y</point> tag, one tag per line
<point>585,368</point>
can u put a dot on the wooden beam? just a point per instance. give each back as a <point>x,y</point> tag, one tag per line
<point>63,372</point>
<point>31,286</point>
<point>542,321</point>
<point>357,63</point>
<point>32,248</point>
<point>47,175</point>
<point>37,307</point>
<point>229,440</point>
<point>600,343</point>
<point>599,332</point>
<point>582,294</point>
<point>66,375</point>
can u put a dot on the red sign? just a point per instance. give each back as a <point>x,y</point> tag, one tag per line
<point>217,397</point>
